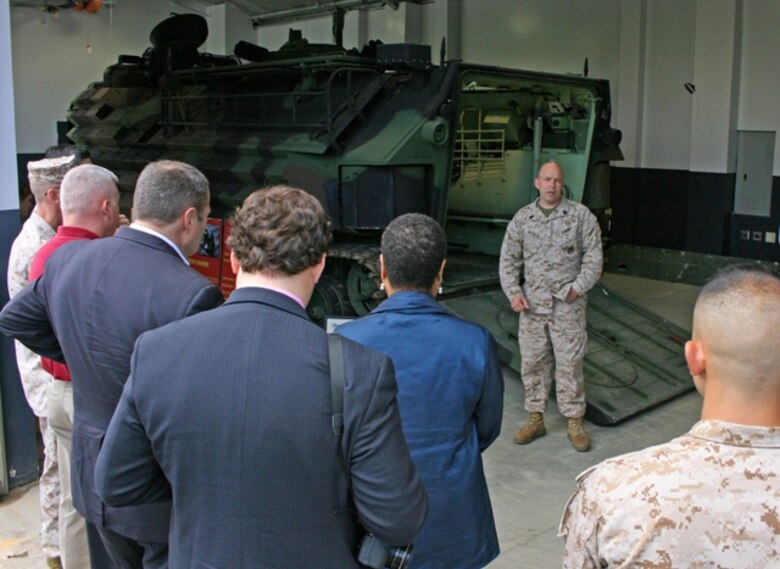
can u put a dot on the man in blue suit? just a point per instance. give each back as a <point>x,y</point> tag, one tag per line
<point>100,296</point>
<point>450,393</point>
<point>229,412</point>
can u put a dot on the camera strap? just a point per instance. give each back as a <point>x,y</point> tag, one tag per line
<point>372,552</point>
<point>337,380</point>
<point>336,356</point>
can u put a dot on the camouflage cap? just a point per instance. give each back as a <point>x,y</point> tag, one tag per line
<point>51,169</point>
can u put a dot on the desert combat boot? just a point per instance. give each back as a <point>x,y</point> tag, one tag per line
<point>533,429</point>
<point>577,435</point>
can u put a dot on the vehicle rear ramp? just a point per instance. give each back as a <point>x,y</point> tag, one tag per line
<point>635,358</point>
<point>671,265</point>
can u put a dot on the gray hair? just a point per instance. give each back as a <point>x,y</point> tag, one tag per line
<point>166,188</point>
<point>82,185</point>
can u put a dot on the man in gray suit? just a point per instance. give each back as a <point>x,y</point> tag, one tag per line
<point>229,412</point>
<point>100,296</point>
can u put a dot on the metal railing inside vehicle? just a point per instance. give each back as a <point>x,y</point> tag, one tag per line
<point>480,149</point>
<point>300,110</point>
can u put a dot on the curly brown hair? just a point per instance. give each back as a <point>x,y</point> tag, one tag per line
<point>279,230</point>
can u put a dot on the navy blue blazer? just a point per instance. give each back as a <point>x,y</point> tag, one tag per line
<point>230,411</point>
<point>450,393</point>
<point>99,296</point>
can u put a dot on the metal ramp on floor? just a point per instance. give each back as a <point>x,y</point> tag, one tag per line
<point>635,358</point>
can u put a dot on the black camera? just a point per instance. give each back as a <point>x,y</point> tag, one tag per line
<point>375,554</point>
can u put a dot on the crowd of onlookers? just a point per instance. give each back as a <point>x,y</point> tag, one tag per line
<point>184,430</point>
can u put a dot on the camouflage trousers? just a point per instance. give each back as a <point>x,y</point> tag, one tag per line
<point>49,490</point>
<point>559,339</point>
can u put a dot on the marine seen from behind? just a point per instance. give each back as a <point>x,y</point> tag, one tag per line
<point>45,177</point>
<point>710,497</point>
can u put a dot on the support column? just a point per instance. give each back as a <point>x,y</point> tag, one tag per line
<point>362,28</point>
<point>716,77</point>
<point>448,16</point>
<point>227,26</point>
<point>629,107</point>
<point>18,448</point>
<point>412,22</point>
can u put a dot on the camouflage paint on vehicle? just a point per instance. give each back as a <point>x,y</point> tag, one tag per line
<point>372,134</point>
<point>375,133</point>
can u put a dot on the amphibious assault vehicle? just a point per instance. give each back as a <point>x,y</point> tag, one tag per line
<point>372,133</point>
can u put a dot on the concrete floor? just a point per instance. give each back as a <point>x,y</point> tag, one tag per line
<point>529,485</point>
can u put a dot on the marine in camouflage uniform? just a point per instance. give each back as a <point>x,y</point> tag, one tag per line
<point>45,177</point>
<point>710,498</point>
<point>556,243</point>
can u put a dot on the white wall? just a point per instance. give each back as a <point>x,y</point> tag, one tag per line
<point>629,88</point>
<point>227,26</point>
<point>52,61</point>
<point>666,119</point>
<point>759,104</point>
<point>387,25</point>
<point>647,49</point>
<point>318,30</point>
<point>9,198</point>
<point>543,35</point>
<point>716,77</point>
<point>760,85</point>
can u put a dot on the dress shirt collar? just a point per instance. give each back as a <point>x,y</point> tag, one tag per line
<point>159,235</point>
<point>286,293</point>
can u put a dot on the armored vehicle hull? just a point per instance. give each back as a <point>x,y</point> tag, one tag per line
<point>373,134</point>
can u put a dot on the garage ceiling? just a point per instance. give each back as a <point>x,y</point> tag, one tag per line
<point>269,12</point>
<point>262,12</point>
<point>270,7</point>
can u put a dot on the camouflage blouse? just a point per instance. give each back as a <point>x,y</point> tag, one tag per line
<point>710,498</point>
<point>35,232</point>
<point>555,252</point>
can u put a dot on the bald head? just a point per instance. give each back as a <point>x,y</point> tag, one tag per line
<point>89,198</point>
<point>737,323</point>
<point>552,168</point>
<point>549,182</point>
